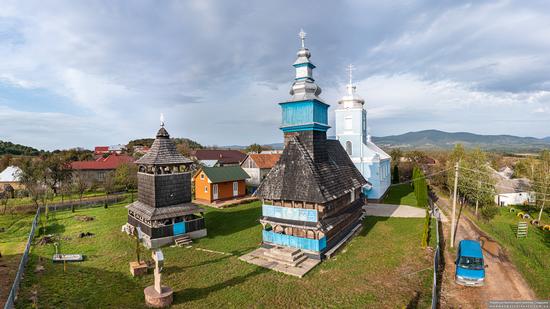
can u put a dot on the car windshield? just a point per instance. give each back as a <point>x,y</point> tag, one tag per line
<point>470,263</point>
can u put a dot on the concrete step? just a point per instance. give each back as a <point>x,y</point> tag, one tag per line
<point>183,241</point>
<point>283,261</point>
<point>275,254</point>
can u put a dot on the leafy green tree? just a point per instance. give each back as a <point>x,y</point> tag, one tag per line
<point>395,174</point>
<point>57,170</point>
<point>80,185</point>
<point>109,186</point>
<point>396,155</point>
<point>255,148</point>
<point>541,181</point>
<point>126,177</point>
<point>31,177</point>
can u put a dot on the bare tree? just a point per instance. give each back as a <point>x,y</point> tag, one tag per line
<point>81,184</point>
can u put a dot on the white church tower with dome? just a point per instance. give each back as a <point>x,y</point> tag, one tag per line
<point>351,131</point>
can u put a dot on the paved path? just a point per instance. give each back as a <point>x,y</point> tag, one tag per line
<point>390,210</point>
<point>397,211</point>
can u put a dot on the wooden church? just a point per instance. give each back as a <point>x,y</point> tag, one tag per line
<point>312,198</point>
<point>164,212</point>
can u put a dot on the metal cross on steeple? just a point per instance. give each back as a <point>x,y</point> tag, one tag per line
<point>302,35</point>
<point>350,70</point>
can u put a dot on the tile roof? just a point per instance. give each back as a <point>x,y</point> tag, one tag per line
<point>265,160</point>
<point>223,156</point>
<point>297,177</point>
<point>109,163</point>
<point>219,174</point>
<point>163,152</point>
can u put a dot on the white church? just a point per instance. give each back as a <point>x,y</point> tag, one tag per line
<point>351,131</point>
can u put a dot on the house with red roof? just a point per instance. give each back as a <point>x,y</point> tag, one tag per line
<point>102,150</point>
<point>258,165</point>
<point>223,157</point>
<point>97,170</point>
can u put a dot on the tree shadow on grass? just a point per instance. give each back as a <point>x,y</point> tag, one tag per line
<point>369,222</point>
<point>397,193</point>
<point>220,222</point>
<point>79,287</point>
<point>181,297</point>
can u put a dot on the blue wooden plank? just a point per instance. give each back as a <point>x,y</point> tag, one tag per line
<point>179,228</point>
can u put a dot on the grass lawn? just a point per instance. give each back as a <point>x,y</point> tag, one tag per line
<point>384,266</point>
<point>12,245</point>
<point>402,194</point>
<point>531,255</point>
<point>55,199</point>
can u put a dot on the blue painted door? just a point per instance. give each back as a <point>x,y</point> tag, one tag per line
<point>179,228</point>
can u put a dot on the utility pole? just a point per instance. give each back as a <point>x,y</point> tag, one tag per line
<point>453,214</point>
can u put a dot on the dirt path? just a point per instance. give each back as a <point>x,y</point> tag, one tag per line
<point>503,281</point>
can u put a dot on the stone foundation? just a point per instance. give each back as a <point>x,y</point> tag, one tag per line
<point>154,299</point>
<point>138,269</point>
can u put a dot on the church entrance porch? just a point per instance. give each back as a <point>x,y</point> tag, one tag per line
<point>286,260</point>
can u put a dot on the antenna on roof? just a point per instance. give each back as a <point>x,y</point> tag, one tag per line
<point>161,119</point>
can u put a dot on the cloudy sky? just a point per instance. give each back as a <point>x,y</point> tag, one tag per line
<point>85,73</point>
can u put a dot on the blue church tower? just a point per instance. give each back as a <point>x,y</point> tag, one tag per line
<point>311,199</point>
<point>305,111</point>
<point>351,130</point>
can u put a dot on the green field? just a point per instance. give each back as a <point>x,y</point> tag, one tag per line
<point>384,266</point>
<point>531,255</point>
<point>402,194</point>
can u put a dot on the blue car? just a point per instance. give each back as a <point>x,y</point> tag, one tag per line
<point>470,267</point>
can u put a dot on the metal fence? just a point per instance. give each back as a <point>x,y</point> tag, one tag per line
<point>437,255</point>
<point>10,302</point>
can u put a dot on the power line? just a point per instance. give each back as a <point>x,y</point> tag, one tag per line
<point>493,175</point>
<point>425,176</point>
<point>499,185</point>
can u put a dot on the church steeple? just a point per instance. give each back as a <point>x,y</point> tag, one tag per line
<point>351,99</point>
<point>305,111</point>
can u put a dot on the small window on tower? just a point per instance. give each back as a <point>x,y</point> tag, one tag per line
<point>348,123</point>
<point>202,176</point>
<point>349,148</point>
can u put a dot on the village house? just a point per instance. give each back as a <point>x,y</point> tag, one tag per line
<point>9,179</point>
<point>97,170</point>
<point>220,183</point>
<point>511,191</point>
<point>104,150</point>
<point>223,157</point>
<point>258,165</point>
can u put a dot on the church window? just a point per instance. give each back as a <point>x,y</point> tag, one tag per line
<point>349,148</point>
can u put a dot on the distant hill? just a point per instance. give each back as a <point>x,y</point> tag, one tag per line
<point>149,141</point>
<point>17,150</point>
<point>435,139</point>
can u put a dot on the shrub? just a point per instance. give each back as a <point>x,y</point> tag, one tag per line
<point>426,231</point>
<point>489,212</point>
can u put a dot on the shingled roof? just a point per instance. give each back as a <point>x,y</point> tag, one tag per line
<point>163,152</point>
<point>297,177</point>
<point>219,174</point>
